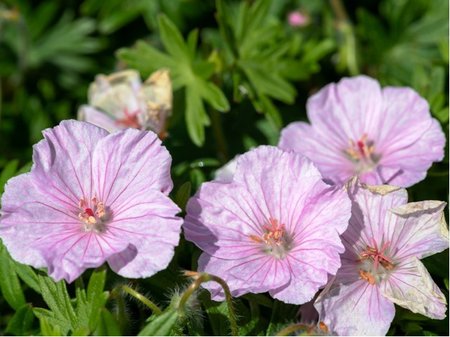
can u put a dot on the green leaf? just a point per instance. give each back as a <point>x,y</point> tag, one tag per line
<point>145,58</point>
<point>27,274</point>
<point>192,42</point>
<point>183,194</point>
<point>173,40</point>
<point>9,282</point>
<point>8,172</point>
<point>48,329</point>
<point>22,321</point>
<point>161,325</point>
<point>107,325</point>
<point>196,117</point>
<point>96,297</point>
<point>58,300</point>
<point>213,95</point>
<point>217,314</point>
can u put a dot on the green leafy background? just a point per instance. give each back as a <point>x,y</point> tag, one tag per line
<point>240,73</point>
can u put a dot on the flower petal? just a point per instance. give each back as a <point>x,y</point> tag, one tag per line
<point>101,119</point>
<point>420,229</point>
<point>62,161</point>
<point>355,309</point>
<point>347,109</point>
<point>129,163</point>
<point>244,275</point>
<point>322,149</point>
<point>148,223</point>
<point>411,286</point>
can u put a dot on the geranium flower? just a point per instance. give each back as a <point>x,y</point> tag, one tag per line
<point>92,197</point>
<point>274,227</point>
<point>120,101</point>
<point>384,241</point>
<point>384,136</point>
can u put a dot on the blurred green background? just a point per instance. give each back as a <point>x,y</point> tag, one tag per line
<point>240,73</point>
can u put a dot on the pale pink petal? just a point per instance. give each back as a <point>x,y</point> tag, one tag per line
<point>375,202</point>
<point>322,149</point>
<point>420,229</point>
<point>102,119</point>
<point>411,286</point>
<point>128,163</point>
<point>62,161</point>
<point>255,274</point>
<point>356,309</point>
<point>148,223</point>
<point>347,109</point>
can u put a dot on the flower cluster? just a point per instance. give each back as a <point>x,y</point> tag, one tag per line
<point>287,220</point>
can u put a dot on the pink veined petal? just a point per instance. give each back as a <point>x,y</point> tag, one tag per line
<point>356,309</point>
<point>347,109</point>
<point>101,119</point>
<point>69,253</point>
<point>220,219</point>
<point>148,223</point>
<point>411,286</point>
<point>62,161</point>
<point>419,229</point>
<point>128,163</point>
<point>416,158</point>
<point>30,213</point>
<point>255,274</point>
<point>322,149</point>
<point>374,203</point>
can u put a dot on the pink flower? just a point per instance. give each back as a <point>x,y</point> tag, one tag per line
<point>273,227</point>
<point>92,197</point>
<point>120,101</point>
<point>384,136</point>
<point>385,239</point>
<point>297,19</point>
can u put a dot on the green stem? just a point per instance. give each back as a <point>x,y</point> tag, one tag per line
<point>205,277</point>
<point>153,307</point>
<point>291,328</point>
<point>346,28</point>
<point>222,149</point>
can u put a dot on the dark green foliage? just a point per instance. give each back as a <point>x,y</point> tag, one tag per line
<point>240,73</point>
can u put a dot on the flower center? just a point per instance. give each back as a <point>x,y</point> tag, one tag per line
<point>93,215</point>
<point>274,240</point>
<point>375,264</point>
<point>362,153</point>
<point>130,120</point>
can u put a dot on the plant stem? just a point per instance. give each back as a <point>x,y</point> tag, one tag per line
<point>344,25</point>
<point>205,277</point>
<point>153,307</point>
<point>221,144</point>
<point>291,328</point>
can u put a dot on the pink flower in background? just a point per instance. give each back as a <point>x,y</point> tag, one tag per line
<point>120,101</point>
<point>385,239</point>
<point>384,136</point>
<point>92,197</point>
<point>297,19</point>
<point>273,227</point>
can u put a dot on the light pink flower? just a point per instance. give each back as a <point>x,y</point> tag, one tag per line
<point>385,136</point>
<point>385,239</point>
<point>273,227</point>
<point>297,19</point>
<point>120,101</point>
<point>92,197</point>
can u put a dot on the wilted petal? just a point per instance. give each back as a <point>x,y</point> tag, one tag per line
<point>96,117</point>
<point>420,229</point>
<point>412,287</point>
